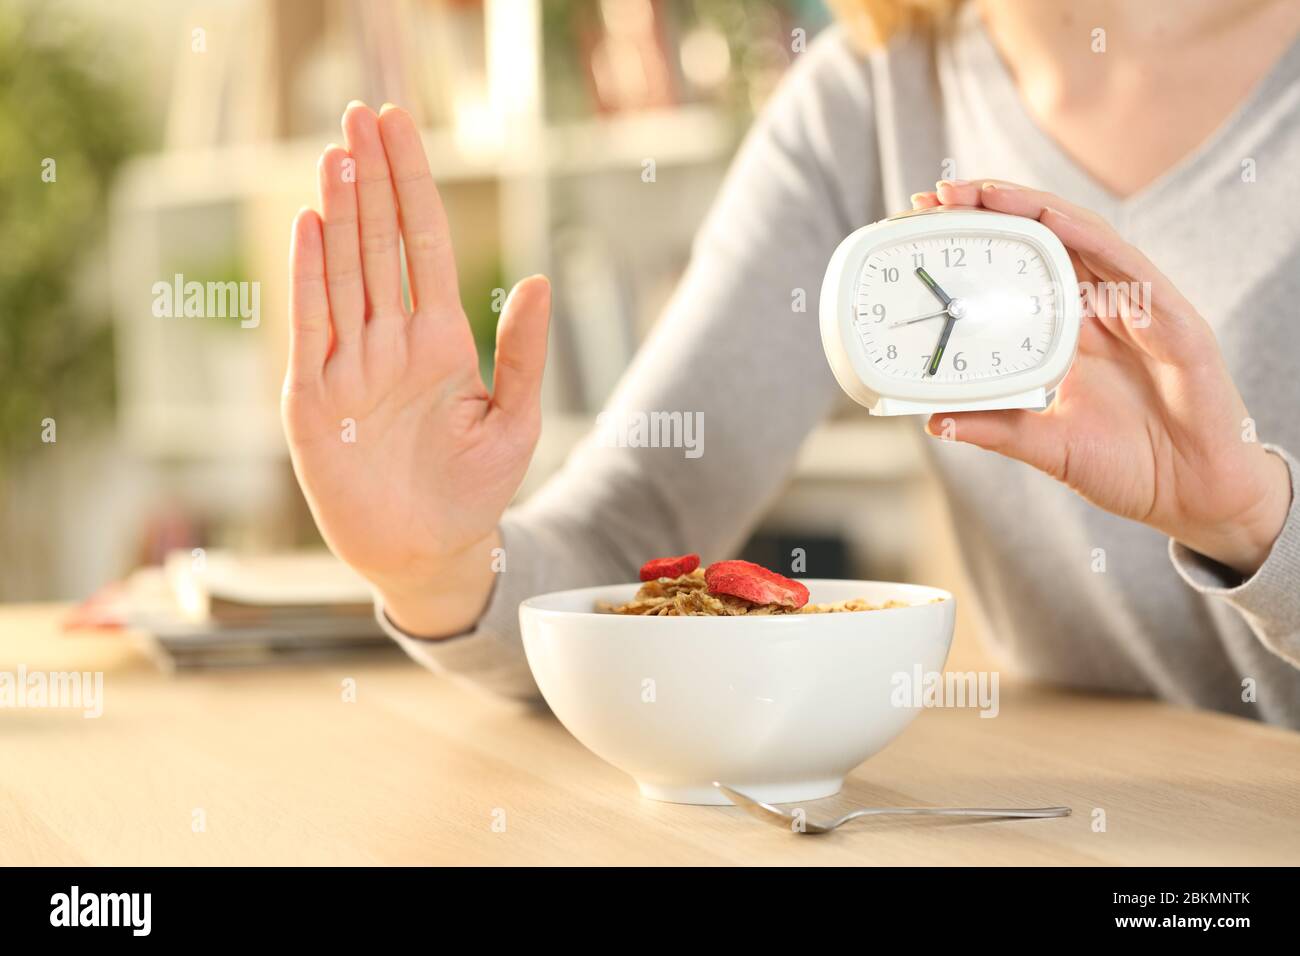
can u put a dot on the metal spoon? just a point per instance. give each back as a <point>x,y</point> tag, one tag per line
<point>788,821</point>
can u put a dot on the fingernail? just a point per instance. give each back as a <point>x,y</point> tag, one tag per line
<point>1055,212</point>
<point>998,186</point>
<point>952,182</point>
<point>387,106</point>
<point>352,103</point>
<point>916,197</point>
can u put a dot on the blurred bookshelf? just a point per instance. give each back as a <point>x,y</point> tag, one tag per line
<point>538,119</point>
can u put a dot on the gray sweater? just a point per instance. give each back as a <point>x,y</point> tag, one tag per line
<point>844,142</point>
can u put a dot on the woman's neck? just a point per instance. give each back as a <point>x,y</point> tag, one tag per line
<point>1057,35</point>
<point>1158,77</point>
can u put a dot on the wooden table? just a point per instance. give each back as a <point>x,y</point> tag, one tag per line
<point>419,769</point>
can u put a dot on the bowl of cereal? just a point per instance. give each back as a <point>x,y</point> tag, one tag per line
<point>775,687</point>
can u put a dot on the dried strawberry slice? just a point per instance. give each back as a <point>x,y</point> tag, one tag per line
<point>657,568</point>
<point>753,582</point>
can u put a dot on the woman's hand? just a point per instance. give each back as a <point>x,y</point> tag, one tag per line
<point>1148,423</point>
<point>405,458</point>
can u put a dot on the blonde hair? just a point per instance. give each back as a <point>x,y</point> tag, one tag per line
<point>872,22</point>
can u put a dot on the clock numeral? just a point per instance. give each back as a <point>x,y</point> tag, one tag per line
<point>892,352</point>
<point>1026,346</point>
<point>958,362</point>
<point>878,310</point>
<point>1038,305</point>
<point>925,361</point>
<point>997,359</point>
<point>918,260</point>
<point>1022,268</point>
<point>954,258</point>
<point>988,256</point>
<point>890,273</point>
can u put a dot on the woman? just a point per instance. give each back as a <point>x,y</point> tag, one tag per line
<point>1168,137</point>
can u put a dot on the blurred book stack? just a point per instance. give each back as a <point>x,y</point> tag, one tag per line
<point>217,609</point>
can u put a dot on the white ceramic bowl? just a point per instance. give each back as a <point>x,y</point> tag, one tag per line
<point>778,707</point>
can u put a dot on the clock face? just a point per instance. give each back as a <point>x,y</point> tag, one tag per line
<point>1005,307</point>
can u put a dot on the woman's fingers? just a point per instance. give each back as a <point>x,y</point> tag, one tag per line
<point>956,192</point>
<point>376,210</point>
<point>521,345</point>
<point>1127,291</point>
<point>1036,438</point>
<point>429,258</point>
<point>347,294</point>
<point>309,314</point>
<point>1081,230</point>
<point>926,200</point>
<point>1003,196</point>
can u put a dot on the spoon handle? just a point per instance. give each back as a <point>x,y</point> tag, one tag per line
<point>957,812</point>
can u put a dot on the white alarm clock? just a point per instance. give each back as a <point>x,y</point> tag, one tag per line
<point>950,309</point>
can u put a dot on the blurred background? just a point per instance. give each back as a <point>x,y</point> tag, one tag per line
<point>143,140</point>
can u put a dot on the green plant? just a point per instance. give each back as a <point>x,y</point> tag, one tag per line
<point>483,292</point>
<point>64,128</point>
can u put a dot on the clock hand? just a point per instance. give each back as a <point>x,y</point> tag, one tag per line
<point>947,326</point>
<point>943,342</point>
<point>919,318</point>
<point>933,286</point>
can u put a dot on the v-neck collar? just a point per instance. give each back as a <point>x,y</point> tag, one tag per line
<point>987,76</point>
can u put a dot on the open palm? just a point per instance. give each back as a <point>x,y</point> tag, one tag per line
<point>405,458</point>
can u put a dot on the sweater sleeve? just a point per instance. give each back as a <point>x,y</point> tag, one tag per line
<point>738,351</point>
<point>1269,600</point>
